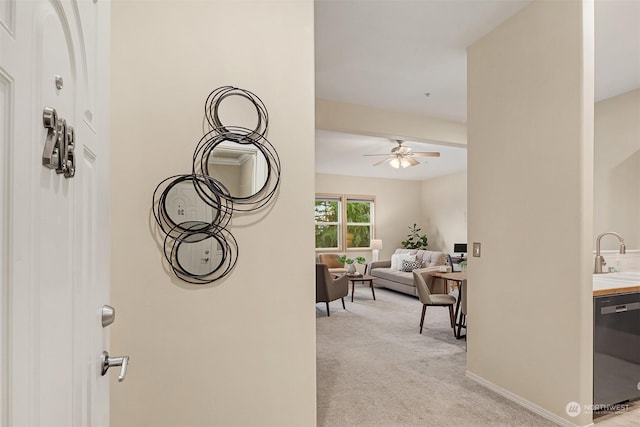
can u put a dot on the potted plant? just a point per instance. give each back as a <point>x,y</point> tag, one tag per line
<point>351,268</point>
<point>414,239</point>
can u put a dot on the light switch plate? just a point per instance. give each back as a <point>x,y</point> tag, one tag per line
<point>476,249</point>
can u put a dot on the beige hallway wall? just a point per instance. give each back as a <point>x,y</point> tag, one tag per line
<point>530,186</point>
<point>239,352</point>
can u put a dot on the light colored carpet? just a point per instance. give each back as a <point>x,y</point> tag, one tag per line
<point>626,418</point>
<point>375,369</point>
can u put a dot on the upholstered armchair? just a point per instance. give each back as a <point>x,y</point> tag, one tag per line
<point>329,289</point>
<point>331,261</point>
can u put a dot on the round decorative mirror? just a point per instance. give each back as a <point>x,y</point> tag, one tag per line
<point>248,167</point>
<point>180,205</point>
<point>241,168</point>
<point>201,257</point>
<point>199,254</point>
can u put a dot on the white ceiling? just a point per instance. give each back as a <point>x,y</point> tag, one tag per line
<point>389,53</point>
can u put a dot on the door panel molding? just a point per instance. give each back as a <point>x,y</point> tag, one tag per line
<point>85,14</point>
<point>7,16</point>
<point>6,130</point>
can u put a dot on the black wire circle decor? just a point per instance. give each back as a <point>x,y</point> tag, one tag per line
<point>235,169</point>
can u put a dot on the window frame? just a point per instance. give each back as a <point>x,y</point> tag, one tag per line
<point>343,223</point>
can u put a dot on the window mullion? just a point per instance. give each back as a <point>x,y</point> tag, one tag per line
<point>343,223</point>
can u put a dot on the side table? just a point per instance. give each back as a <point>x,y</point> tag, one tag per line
<point>363,278</point>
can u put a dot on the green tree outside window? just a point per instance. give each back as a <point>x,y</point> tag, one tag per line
<point>327,217</point>
<point>359,224</point>
<point>342,222</point>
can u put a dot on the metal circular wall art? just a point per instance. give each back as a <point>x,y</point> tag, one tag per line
<point>212,109</point>
<point>235,169</point>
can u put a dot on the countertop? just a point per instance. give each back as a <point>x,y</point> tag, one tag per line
<point>607,284</point>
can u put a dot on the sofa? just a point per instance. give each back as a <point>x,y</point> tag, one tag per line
<point>391,274</point>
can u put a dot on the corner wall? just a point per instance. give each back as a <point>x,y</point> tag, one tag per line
<point>617,170</point>
<point>444,211</point>
<point>530,190</point>
<point>239,352</point>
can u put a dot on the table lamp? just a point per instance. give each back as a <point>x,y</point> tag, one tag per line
<point>376,245</point>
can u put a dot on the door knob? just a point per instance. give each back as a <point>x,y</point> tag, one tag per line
<point>108,362</point>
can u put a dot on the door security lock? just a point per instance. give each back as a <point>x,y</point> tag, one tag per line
<point>59,145</point>
<point>108,315</point>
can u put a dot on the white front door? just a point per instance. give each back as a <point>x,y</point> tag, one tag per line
<point>54,274</point>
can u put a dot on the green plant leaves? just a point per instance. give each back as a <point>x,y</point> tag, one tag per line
<point>414,239</point>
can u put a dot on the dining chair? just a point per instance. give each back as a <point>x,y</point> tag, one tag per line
<point>329,289</point>
<point>450,260</point>
<point>423,282</point>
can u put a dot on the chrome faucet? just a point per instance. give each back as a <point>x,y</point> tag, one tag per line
<point>600,262</point>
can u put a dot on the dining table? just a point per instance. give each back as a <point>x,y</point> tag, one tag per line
<point>457,277</point>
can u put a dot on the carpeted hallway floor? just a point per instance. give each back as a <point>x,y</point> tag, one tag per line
<point>375,369</point>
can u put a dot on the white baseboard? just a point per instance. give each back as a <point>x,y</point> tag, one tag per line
<point>522,402</point>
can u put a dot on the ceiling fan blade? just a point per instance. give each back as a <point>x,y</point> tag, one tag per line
<point>383,161</point>
<point>413,161</point>
<point>426,154</point>
<point>369,155</point>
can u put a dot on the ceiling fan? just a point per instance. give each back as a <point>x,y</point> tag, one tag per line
<point>402,157</point>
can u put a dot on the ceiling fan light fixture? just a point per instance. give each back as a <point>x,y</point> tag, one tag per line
<point>403,157</point>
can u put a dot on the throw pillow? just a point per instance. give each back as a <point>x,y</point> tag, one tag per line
<point>409,266</point>
<point>396,260</point>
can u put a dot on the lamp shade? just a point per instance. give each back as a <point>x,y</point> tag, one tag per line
<point>376,244</point>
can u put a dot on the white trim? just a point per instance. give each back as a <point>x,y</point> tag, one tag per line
<point>522,402</point>
<point>6,151</point>
<point>232,161</point>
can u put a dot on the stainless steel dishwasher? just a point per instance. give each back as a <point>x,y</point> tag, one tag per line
<point>616,349</point>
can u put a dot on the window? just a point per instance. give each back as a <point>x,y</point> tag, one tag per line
<point>359,223</point>
<point>333,232</point>
<point>328,223</point>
